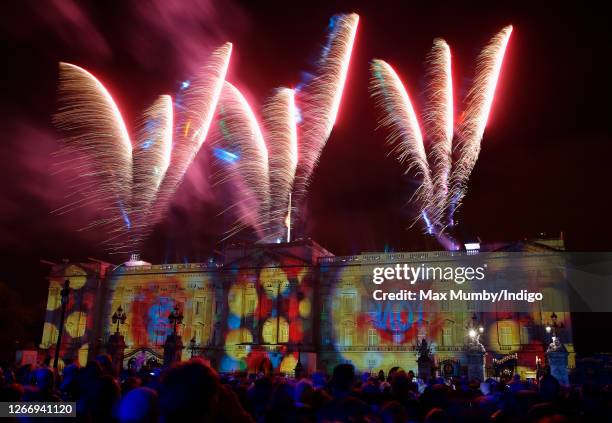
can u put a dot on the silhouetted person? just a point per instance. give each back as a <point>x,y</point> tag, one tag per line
<point>139,405</point>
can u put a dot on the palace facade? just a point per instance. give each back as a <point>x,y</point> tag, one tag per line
<point>266,305</point>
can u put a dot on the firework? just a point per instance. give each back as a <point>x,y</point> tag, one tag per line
<point>436,201</point>
<point>243,154</point>
<point>478,105</point>
<point>132,192</point>
<point>199,103</point>
<point>319,100</point>
<point>97,147</point>
<point>438,124</point>
<point>280,117</point>
<point>405,136</point>
<point>151,157</point>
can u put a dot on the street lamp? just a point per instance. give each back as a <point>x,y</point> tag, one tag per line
<point>119,317</point>
<point>176,318</point>
<point>474,331</point>
<point>553,327</point>
<point>65,292</point>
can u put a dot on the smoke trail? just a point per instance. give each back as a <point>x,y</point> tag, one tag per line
<point>280,117</point>
<point>478,105</point>
<point>439,125</point>
<point>405,136</point>
<point>97,148</point>
<point>243,154</point>
<point>319,100</point>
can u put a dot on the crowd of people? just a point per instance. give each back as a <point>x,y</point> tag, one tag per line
<point>191,391</point>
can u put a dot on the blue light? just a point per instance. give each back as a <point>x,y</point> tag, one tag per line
<point>333,21</point>
<point>126,218</point>
<point>185,84</point>
<point>298,115</point>
<point>427,223</point>
<point>233,321</point>
<point>225,155</point>
<point>147,144</point>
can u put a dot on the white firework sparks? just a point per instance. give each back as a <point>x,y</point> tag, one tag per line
<point>97,147</point>
<point>319,100</point>
<point>438,121</point>
<point>478,106</point>
<point>405,136</point>
<point>280,122</point>
<point>242,150</point>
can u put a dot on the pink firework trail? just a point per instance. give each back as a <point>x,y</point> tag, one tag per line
<point>405,138</point>
<point>132,189</point>
<point>438,121</point>
<point>242,149</point>
<point>478,106</point>
<point>194,122</point>
<point>97,146</point>
<point>319,100</point>
<point>152,157</point>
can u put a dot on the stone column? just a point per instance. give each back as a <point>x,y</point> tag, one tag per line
<point>115,347</point>
<point>425,368</point>
<point>425,362</point>
<point>557,354</point>
<point>173,348</point>
<point>557,360</point>
<point>476,365</point>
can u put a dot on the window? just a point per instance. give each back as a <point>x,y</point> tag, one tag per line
<point>348,304</point>
<point>505,335</point>
<point>526,334</point>
<point>447,336</point>
<point>348,336</point>
<point>284,332</point>
<point>372,337</point>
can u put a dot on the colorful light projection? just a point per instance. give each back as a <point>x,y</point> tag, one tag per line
<point>148,300</point>
<point>269,317</point>
<point>370,334</point>
<point>78,320</point>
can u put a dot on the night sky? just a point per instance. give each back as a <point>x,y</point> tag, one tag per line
<point>544,165</point>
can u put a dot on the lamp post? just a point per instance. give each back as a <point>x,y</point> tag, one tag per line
<point>119,317</point>
<point>176,318</point>
<point>65,292</point>
<point>116,343</point>
<point>475,330</point>
<point>475,350</point>
<point>173,346</point>
<point>553,329</point>
<point>556,353</point>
